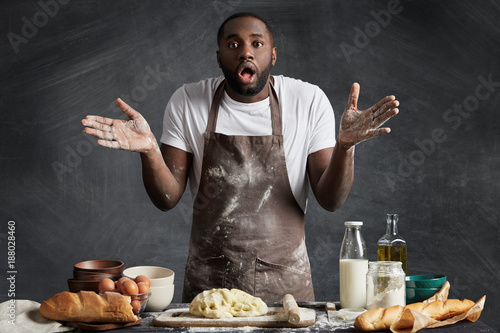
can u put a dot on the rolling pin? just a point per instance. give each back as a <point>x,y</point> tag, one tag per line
<point>291,308</point>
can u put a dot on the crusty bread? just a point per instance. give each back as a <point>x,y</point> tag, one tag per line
<point>380,319</point>
<point>88,307</point>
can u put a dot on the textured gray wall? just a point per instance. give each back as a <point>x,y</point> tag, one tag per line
<point>71,200</point>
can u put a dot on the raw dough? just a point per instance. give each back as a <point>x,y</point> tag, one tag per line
<point>224,303</point>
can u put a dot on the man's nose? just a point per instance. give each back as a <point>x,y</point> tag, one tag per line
<point>246,52</point>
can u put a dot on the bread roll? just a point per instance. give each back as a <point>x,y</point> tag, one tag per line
<point>380,319</point>
<point>88,307</point>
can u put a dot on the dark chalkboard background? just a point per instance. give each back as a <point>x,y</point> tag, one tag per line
<point>72,201</point>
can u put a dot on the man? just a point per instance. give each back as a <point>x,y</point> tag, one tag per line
<point>247,142</point>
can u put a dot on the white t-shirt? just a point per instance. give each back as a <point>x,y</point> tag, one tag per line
<point>307,116</point>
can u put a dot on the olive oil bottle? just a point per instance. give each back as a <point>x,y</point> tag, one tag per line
<point>391,246</point>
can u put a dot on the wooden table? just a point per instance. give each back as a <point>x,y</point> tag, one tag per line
<point>322,324</point>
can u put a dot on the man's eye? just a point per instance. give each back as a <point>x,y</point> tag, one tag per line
<point>233,45</point>
<point>258,44</point>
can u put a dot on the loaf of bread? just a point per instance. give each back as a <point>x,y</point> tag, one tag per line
<point>88,307</point>
<point>380,319</point>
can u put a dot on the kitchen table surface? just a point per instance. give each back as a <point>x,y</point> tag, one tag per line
<point>322,324</point>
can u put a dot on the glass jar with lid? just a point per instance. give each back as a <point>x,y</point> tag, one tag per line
<point>385,284</point>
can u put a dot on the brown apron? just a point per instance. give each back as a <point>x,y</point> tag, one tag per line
<point>248,229</point>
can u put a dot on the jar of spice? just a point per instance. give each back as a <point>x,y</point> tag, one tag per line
<point>385,284</point>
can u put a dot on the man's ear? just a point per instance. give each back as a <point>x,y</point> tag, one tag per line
<point>274,55</point>
<point>218,58</point>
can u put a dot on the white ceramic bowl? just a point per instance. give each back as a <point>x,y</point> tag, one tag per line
<point>159,276</point>
<point>160,298</point>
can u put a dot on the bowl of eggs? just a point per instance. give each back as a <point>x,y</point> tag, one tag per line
<point>139,302</point>
<point>138,289</point>
<point>161,287</point>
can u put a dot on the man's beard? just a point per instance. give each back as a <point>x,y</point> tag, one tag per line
<point>244,90</point>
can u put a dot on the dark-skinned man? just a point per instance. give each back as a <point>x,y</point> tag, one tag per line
<point>250,144</point>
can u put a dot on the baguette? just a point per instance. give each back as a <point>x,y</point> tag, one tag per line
<point>88,307</point>
<point>380,319</point>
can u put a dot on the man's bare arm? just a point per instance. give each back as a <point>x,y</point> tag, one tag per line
<point>165,175</point>
<point>164,170</point>
<point>331,171</point>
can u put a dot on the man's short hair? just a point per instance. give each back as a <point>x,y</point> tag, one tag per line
<point>238,15</point>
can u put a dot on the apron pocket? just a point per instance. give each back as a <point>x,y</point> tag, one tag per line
<point>203,274</point>
<point>273,281</point>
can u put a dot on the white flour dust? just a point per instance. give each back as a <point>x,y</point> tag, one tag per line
<point>264,198</point>
<point>322,324</point>
<point>231,206</point>
<point>216,172</point>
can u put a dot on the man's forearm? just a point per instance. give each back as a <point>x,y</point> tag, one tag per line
<point>336,181</point>
<point>161,185</point>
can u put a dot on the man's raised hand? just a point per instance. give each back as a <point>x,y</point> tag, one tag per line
<point>357,126</point>
<point>133,134</point>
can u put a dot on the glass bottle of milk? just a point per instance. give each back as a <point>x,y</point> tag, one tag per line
<point>353,267</point>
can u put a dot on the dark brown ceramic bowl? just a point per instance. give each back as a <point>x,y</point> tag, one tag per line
<point>82,275</point>
<point>113,267</point>
<point>78,285</point>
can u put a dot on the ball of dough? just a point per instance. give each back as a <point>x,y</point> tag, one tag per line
<point>224,303</point>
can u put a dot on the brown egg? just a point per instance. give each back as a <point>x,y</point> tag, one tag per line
<point>143,278</point>
<point>120,282</point>
<point>143,287</point>
<point>106,284</point>
<point>129,287</point>
<point>136,306</point>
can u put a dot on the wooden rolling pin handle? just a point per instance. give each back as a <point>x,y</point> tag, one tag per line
<point>291,308</point>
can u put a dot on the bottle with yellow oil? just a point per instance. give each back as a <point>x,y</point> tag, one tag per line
<point>391,246</point>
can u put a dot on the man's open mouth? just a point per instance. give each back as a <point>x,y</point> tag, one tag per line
<point>246,72</point>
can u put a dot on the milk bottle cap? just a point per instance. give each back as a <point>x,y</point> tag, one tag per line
<point>353,223</point>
